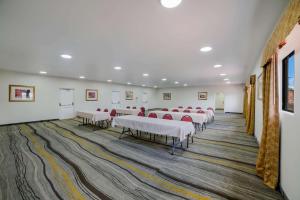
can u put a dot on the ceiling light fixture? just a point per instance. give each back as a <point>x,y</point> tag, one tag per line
<point>66,56</point>
<point>117,67</point>
<point>82,77</point>
<point>228,82</point>
<point>217,66</point>
<point>145,75</point>
<point>143,85</point>
<point>185,85</point>
<point>128,83</point>
<point>226,79</point>
<point>164,79</point>
<point>43,72</point>
<point>155,86</point>
<point>109,80</point>
<point>176,82</point>
<point>170,3</point>
<point>223,74</point>
<point>206,49</point>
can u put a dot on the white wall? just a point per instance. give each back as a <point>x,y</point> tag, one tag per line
<point>46,105</point>
<point>188,96</point>
<point>290,126</point>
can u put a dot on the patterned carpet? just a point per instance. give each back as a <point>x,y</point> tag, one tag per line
<point>61,160</point>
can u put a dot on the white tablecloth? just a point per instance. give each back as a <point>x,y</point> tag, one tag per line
<point>210,113</point>
<point>94,115</point>
<point>126,111</point>
<point>171,128</point>
<point>197,117</point>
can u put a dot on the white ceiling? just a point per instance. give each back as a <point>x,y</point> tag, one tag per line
<point>139,35</point>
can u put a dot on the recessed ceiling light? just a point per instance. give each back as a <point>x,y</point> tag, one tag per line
<point>185,85</point>
<point>206,49</point>
<point>176,82</point>
<point>223,74</point>
<point>128,83</point>
<point>170,3</point>
<point>228,82</point>
<point>164,79</point>
<point>117,67</point>
<point>226,79</point>
<point>143,85</point>
<point>217,66</point>
<point>109,80</point>
<point>82,77</point>
<point>145,75</point>
<point>43,72</point>
<point>66,56</point>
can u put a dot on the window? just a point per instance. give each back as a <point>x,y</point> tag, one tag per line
<point>288,82</point>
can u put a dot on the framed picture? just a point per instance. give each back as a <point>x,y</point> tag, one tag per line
<point>260,87</point>
<point>202,95</point>
<point>128,95</point>
<point>167,96</point>
<point>91,95</point>
<point>21,93</point>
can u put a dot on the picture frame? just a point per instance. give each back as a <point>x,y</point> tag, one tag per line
<point>21,93</point>
<point>91,95</point>
<point>128,95</point>
<point>202,95</point>
<point>260,87</point>
<point>167,96</point>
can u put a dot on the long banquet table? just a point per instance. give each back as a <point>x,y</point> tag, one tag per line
<point>210,113</point>
<point>172,128</point>
<point>93,116</point>
<point>126,111</point>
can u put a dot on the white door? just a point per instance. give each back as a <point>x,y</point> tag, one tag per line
<point>145,100</point>
<point>115,99</point>
<point>66,104</point>
<point>219,101</point>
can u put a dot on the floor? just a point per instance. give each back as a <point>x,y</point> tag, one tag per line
<point>61,160</point>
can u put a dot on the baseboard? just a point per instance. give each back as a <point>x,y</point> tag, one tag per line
<point>283,193</point>
<point>46,120</point>
<point>233,112</point>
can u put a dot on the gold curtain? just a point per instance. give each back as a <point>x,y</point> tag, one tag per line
<point>285,25</point>
<point>267,164</point>
<point>245,101</point>
<point>250,115</point>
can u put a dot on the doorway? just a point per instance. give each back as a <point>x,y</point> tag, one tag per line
<point>66,103</point>
<point>116,102</point>
<point>219,101</point>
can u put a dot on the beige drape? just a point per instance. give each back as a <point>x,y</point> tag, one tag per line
<point>267,164</point>
<point>245,101</point>
<point>250,119</point>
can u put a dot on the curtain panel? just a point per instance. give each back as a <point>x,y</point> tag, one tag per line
<point>251,106</point>
<point>267,165</point>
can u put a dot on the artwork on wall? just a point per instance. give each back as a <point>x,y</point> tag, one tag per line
<point>21,93</point>
<point>202,95</point>
<point>260,87</point>
<point>167,96</point>
<point>91,95</point>
<point>129,95</point>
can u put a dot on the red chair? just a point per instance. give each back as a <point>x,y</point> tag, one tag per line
<point>165,109</point>
<point>190,107</point>
<point>128,107</point>
<point>187,118</point>
<point>201,111</point>
<point>113,113</point>
<point>141,114</point>
<point>105,110</point>
<point>152,115</point>
<point>175,110</point>
<point>198,108</point>
<point>168,117</point>
<point>143,109</point>
<point>98,109</point>
<point>133,107</point>
<point>180,106</point>
<point>186,111</point>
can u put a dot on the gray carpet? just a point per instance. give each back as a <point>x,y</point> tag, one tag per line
<point>61,160</point>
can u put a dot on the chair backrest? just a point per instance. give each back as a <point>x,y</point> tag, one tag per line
<point>201,111</point>
<point>141,114</point>
<point>180,106</point>
<point>105,110</point>
<point>168,117</point>
<point>198,108</point>
<point>210,108</point>
<point>165,109</point>
<point>152,115</point>
<point>98,109</point>
<point>143,109</point>
<point>175,110</point>
<point>190,107</point>
<point>187,118</point>
<point>128,107</point>
<point>113,113</point>
<point>134,107</point>
<point>186,111</point>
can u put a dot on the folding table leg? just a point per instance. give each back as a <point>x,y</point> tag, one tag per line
<point>187,141</point>
<point>166,139</point>
<point>123,131</point>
